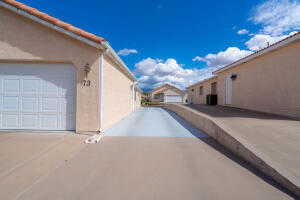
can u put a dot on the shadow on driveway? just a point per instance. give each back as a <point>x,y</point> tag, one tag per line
<point>230,112</point>
<point>220,148</point>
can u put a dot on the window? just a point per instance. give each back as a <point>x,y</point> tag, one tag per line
<point>214,88</point>
<point>192,90</point>
<point>201,90</point>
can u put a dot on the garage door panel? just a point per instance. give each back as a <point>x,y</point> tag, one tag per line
<point>30,86</point>
<point>173,98</point>
<point>49,105</point>
<point>67,124</point>
<point>10,121</point>
<point>71,121</point>
<point>30,121</point>
<point>67,104</point>
<point>37,96</point>
<point>29,104</point>
<point>1,103</point>
<point>11,86</point>
<point>1,85</point>
<point>66,89</point>
<point>10,103</point>
<point>50,89</point>
<point>49,121</point>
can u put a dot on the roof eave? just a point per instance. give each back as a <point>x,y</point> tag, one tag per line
<point>50,25</point>
<point>261,52</point>
<point>207,79</point>
<point>115,57</point>
<point>166,85</point>
<point>101,45</point>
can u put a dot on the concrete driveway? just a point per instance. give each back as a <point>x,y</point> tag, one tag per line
<point>151,154</point>
<point>154,122</point>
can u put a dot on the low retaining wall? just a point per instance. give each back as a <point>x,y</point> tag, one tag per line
<point>222,134</point>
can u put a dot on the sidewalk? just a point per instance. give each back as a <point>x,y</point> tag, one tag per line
<point>273,139</point>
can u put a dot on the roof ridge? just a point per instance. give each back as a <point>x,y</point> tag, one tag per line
<point>55,21</point>
<point>239,60</point>
<point>166,85</point>
<point>258,51</point>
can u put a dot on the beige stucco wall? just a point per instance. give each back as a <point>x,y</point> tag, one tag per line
<point>171,92</point>
<point>195,97</point>
<point>118,95</point>
<point>268,83</point>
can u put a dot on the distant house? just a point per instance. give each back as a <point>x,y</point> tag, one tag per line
<point>198,92</point>
<point>266,81</point>
<point>168,94</point>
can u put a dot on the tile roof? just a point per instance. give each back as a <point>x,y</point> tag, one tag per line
<point>54,21</point>
<point>167,86</point>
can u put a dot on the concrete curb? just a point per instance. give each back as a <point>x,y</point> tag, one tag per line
<point>240,147</point>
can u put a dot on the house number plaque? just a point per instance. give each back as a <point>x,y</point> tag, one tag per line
<point>86,83</point>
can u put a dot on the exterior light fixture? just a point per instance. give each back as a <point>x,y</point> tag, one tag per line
<point>233,77</point>
<point>86,69</point>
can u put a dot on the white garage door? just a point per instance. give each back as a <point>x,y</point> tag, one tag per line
<point>37,96</point>
<point>173,99</point>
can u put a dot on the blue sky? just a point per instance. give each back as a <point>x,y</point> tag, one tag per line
<point>175,41</point>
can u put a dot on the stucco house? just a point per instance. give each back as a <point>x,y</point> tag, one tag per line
<point>168,94</point>
<point>197,93</point>
<point>54,76</point>
<point>266,81</point>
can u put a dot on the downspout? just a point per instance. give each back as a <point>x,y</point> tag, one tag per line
<point>133,95</point>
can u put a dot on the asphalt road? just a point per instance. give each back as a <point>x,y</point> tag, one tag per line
<point>150,155</point>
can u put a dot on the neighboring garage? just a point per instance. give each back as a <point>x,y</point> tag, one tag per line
<point>168,94</point>
<point>173,99</point>
<point>54,76</point>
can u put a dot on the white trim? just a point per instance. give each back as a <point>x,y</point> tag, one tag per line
<point>115,57</point>
<point>133,94</point>
<point>138,89</point>
<point>43,22</point>
<point>228,90</point>
<point>273,47</point>
<point>101,92</point>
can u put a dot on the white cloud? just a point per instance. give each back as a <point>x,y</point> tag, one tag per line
<point>243,32</point>
<point>260,41</point>
<point>197,58</point>
<point>126,52</point>
<point>223,58</point>
<point>156,72</point>
<point>277,16</point>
